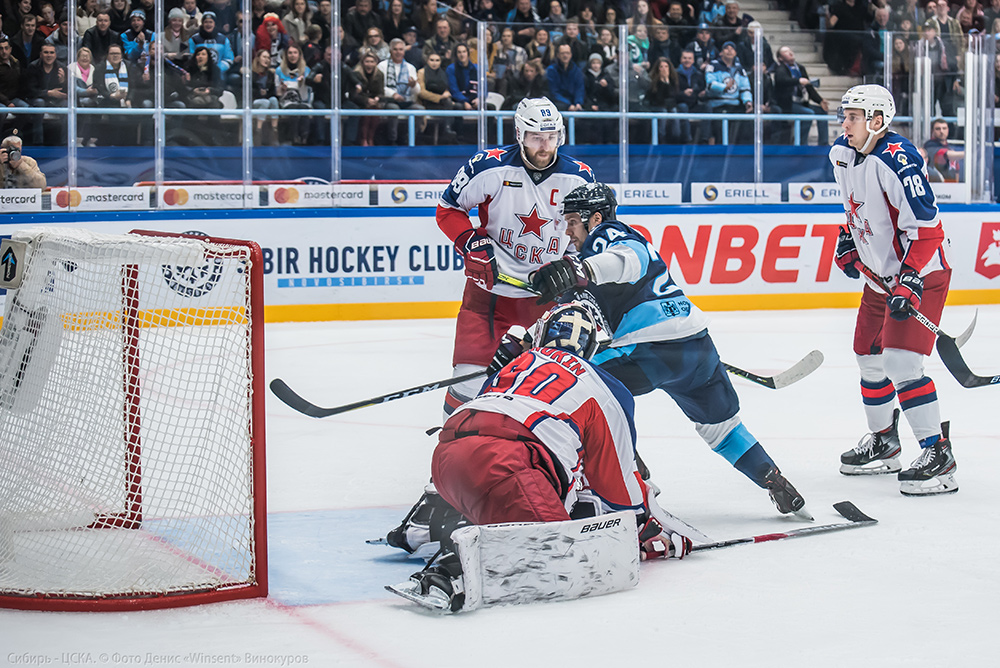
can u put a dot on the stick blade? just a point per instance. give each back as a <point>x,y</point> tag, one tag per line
<point>294,401</point>
<point>851,512</point>
<point>964,336</point>
<point>948,350</point>
<point>802,368</point>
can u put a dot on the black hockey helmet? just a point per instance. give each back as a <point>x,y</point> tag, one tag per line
<point>589,199</point>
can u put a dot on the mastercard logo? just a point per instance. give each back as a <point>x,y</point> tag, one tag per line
<point>68,198</point>
<point>711,193</point>
<point>175,197</point>
<point>286,195</point>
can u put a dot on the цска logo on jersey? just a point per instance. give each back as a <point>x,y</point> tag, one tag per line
<point>988,252</point>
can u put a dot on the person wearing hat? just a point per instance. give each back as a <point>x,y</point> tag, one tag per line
<point>414,50</point>
<point>217,43</point>
<point>176,36</point>
<point>703,47</point>
<point>727,92</point>
<point>136,39</point>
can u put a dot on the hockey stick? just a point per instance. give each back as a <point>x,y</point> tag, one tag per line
<point>847,509</point>
<point>296,402</point>
<point>793,374</point>
<point>947,346</point>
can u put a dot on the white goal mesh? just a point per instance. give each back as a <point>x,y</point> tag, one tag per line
<point>131,453</point>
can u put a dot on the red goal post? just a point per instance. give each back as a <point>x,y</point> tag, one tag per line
<point>132,469</point>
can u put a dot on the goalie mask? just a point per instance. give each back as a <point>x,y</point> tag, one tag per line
<point>570,327</point>
<point>589,199</point>
<point>869,98</point>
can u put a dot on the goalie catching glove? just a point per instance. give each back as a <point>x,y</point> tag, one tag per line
<point>908,292</point>
<point>480,263</point>
<point>555,278</point>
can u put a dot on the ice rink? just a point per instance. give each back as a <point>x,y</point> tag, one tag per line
<point>920,586</point>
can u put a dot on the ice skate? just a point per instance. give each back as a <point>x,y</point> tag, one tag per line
<point>438,586</point>
<point>875,454</point>
<point>933,472</point>
<point>784,496</point>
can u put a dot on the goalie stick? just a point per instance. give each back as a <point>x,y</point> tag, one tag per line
<point>947,346</point>
<point>293,400</point>
<point>846,509</point>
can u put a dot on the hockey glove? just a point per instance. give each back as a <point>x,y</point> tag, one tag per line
<point>907,293</point>
<point>847,254</point>
<point>555,278</point>
<point>510,348</point>
<point>477,250</point>
<point>656,543</point>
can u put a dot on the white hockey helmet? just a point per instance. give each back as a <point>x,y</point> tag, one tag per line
<point>570,327</point>
<point>870,98</point>
<point>538,114</point>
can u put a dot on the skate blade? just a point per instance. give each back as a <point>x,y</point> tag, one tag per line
<point>942,484</point>
<point>433,600</point>
<point>803,514</point>
<point>377,541</point>
<point>877,467</point>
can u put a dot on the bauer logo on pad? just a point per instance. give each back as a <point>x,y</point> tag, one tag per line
<point>11,263</point>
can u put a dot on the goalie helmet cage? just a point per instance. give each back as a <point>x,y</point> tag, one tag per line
<point>132,423</point>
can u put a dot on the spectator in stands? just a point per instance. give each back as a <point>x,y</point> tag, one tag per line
<point>113,80</point>
<point>320,82</point>
<point>27,42</point>
<point>434,93</point>
<point>47,20</point>
<point>703,47</point>
<point>442,43</point>
<point>414,51</point>
<point>119,11</point>
<point>272,37</point>
<point>349,48</point>
<point>611,16</point>
<point>462,25</point>
<point>350,89</point>
<point>991,12</point>
<point>400,86</point>
<point>59,38</point>
<point>691,86</point>
<point>296,20</point>
<point>941,157</point>
<point>175,37</point>
<point>600,93</point>
<point>312,50</point>
<point>555,22</point>
<point>370,96</point>
<point>606,46</point>
<point>638,47</point>
<point>487,11</point>
<point>507,53</point>
<point>375,43</point>
<point>265,96</point>
<point>661,45</point>
<point>205,79</point>
<point>463,79</point>
<point>86,16</point>
<point>663,95</point>
<point>530,82</point>
<point>842,45</point>
<point>541,47</point>
<point>744,48</point>
<point>359,19</point>
<point>175,79</point>
<point>796,94</point>
<point>681,26</point>
<point>902,66</point>
<point>426,19</point>
<point>585,23</point>
<point>135,40</point>
<point>579,48</point>
<point>944,69</point>
<point>217,43</point>
<point>524,20</point>
<point>324,19</point>
<point>971,17</point>
<point>16,169</point>
<point>225,15</point>
<point>82,75</point>
<point>873,43</point>
<point>565,80</point>
<point>948,29</point>
<point>10,81</point>
<point>293,92</point>
<point>46,80</point>
<point>641,16</point>
<point>728,92</point>
<point>396,22</point>
<point>733,23</point>
<point>192,22</point>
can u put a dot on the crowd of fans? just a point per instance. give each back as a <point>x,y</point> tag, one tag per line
<point>684,56</point>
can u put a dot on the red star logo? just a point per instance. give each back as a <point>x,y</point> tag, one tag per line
<point>893,149</point>
<point>532,223</point>
<point>854,207</point>
<point>495,153</point>
<point>584,167</point>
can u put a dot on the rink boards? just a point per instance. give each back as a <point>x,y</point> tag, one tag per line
<point>375,263</point>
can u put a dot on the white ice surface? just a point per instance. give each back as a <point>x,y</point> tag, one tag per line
<point>919,587</point>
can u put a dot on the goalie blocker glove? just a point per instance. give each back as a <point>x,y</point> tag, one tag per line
<point>477,250</point>
<point>557,277</point>
<point>655,542</point>
<point>847,254</point>
<point>510,348</point>
<point>908,292</point>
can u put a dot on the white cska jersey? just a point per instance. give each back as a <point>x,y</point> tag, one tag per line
<point>518,207</point>
<point>890,207</point>
<point>580,413</point>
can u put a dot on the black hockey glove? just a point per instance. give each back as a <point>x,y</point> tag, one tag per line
<point>510,349</point>
<point>847,254</point>
<point>555,278</point>
<point>906,295</point>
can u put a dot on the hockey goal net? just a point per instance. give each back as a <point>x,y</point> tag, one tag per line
<point>131,422</point>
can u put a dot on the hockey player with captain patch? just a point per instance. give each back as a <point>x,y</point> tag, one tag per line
<point>894,230</point>
<point>517,190</point>
<point>660,339</point>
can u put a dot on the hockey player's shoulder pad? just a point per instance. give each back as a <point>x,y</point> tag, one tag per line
<point>898,153</point>
<point>478,164</point>
<point>842,154</point>
<point>608,233</point>
<point>566,164</point>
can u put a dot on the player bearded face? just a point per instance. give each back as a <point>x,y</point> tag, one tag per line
<point>539,148</point>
